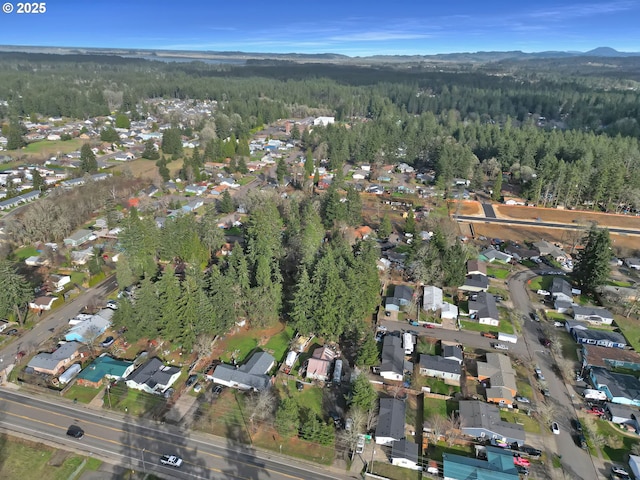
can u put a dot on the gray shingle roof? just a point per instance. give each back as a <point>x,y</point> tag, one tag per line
<point>440,364</point>
<point>49,361</point>
<point>391,418</point>
<point>392,355</point>
<point>153,373</point>
<point>477,414</point>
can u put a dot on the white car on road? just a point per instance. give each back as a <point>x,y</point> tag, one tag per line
<point>171,460</point>
<point>555,429</point>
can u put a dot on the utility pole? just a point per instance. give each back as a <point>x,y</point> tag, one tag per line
<point>144,466</point>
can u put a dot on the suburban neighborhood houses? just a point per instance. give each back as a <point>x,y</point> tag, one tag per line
<point>272,279</point>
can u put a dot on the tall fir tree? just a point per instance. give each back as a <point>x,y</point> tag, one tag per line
<point>592,267</point>
<point>88,162</point>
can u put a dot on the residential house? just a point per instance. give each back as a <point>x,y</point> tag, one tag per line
<point>498,466</point>
<point>619,387</point>
<point>393,362</point>
<point>484,309</point>
<point>81,257</point>
<point>475,283</point>
<point>623,415</point>
<point>561,290</point>
<point>390,426</point>
<point>545,248</point>
<point>192,206</point>
<point>250,376</point>
<point>195,189</point>
<point>42,303</point>
<point>88,330</point>
<point>561,306</point>
<point>58,282</point>
<point>594,356</point>
<point>476,267</point>
<point>521,253</point>
<point>55,362</point>
<point>448,311</point>
<point>402,296</point>
<point>78,238</point>
<point>438,367</point>
<point>405,454</point>
<point>153,377</point>
<point>104,367</point>
<point>323,121</point>
<point>632,262</point>
<point>452,352</point>
<point>36,261</point>
<point>432,298</point>
<point>513,201</point>
<point>319,365</point>
<point>497,370</point>
<point>491,254</point>
<point>570,325</point>
<point>482,421</point>
<point>360,175</point>
<point>595,315</point>
<point>602,338</point>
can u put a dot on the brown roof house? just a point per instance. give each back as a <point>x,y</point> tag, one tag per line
<point>319,365</point>
<point>501,378</point>
<point>55,362</point>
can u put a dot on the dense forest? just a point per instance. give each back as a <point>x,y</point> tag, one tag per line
<point>566,139</point>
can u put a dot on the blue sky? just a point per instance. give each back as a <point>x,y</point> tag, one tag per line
<point>350,27</point>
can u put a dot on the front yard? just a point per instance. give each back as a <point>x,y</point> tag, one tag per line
<point>504,327</point>
<point>630,328</point>
<point>386,470</point>
<point>81,394</point>
<point>530,424</point>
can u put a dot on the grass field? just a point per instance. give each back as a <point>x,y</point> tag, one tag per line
<point>498,272</point>
<point>279,344</point>
<point>23,253</point>
<point>618,443</point>
<point>83,394</point>
<point>435,451</point>
<point>504,327</point>
<point>530,424</point>
<point>46,149</point>
<point>630,328</point>
<point>434,406</point>
<point>386,470</point>
<point>34,461</point>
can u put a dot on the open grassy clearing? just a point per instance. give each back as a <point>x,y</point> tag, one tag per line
<point>386,470</point>
<point>33,461</point>
<point>617,443</point>
<point>498,272</point>
<point>82,394</point>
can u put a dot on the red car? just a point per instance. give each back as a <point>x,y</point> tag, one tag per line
<point>521,462</point>
<point>596,410</point>
<point>429,325</point>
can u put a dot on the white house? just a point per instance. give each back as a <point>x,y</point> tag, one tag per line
<point>448,311</point>
<point>405,454</point>
<point>323,121</point>
<point>592,315</point>
<point>432,298</point>
<point>436,366</point>
<point>153,377</point>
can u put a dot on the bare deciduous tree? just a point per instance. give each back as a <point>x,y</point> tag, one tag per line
<point>262,407</point>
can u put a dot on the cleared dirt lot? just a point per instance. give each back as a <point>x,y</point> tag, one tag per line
<point>534,234</point>
<point>566,216</point>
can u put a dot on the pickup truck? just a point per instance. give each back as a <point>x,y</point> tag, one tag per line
<point>489,335</point>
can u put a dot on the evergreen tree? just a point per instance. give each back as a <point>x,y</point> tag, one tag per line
<point>163,170</point>
<point>281,170</point>
<point>309,166</point>
<point>150,152</point>
<point>109,134</point>
<point>122,121</point>
<point>14,136</point>
<point>496,194</point>
<point>172,142</point>
<point>88,162</point>
<point>301,314</point>
<point>368,354</point>
<point>287,417</point>
<point>385,229</point>
<point>147,308</point>
<point>15,292</point>
<point>242,166</point>
<point>410,223</point>
<point>353,207</point>
<point>592,267</point>
<point>225,205</point>
<point>363,396</point>
<point>170,298</point>
<point>333,210</point>
<point>37,180</point>
<point>211,235</point>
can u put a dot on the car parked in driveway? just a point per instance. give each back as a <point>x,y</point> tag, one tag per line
<point>520,399</point>
<point>107,342</point>
<point>191,380</point>
<point>595,410</point>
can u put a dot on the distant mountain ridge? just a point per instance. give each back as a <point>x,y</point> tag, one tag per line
<point>481,57</point>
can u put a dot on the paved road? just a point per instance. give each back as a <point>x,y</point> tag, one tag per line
<point>56,321</point>
<point>576,462</point>
<point>530,223</point>
<point>138,444</point>
<point>488,210</point>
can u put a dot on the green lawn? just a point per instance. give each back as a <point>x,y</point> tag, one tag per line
<point>133,402</point>
<point>427,348</point>
<point>619,283</point>
<point>246,179</point>
<point>524,388</point>
<point>541,283</point>
<point>34,461</point>
<point>530,424</point>
<point>504,327</point>
<point>435,451</point>
<point>436,385</point>
<point>83,394</point>
<point>630,328</point>
<point>622,441</point>
<point>279,344</point>
<point>310,397</point>
<point>553,315</point>
<point>498,272</point>
<point>46,146</point>
<point>434,406</point>
<point>240,345</point>
<point>386,470</point>
<point>569,345</point>
<point>23,253</point>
